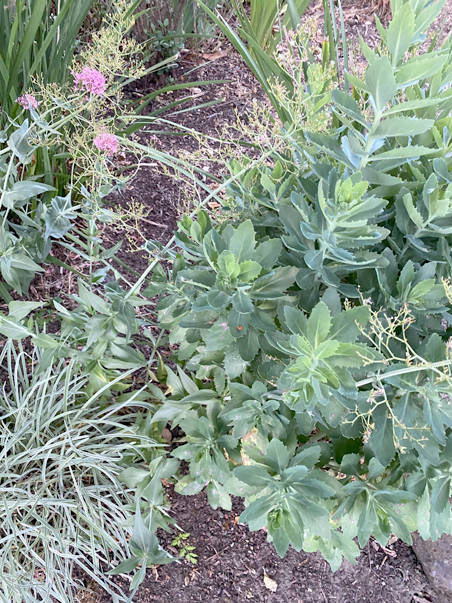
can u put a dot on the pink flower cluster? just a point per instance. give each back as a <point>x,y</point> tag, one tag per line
<point>106,142</point>
<point>27,101</point>
<point>90,80</point>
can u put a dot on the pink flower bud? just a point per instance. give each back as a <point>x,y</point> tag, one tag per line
<point>106,142</point>
<point>27,101</point>
<point>90,80</point>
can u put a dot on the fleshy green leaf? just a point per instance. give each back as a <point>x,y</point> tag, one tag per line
<point>440,494</point>
<point>400,33</point>
<point>243,241</point>
<point>402,126</point>
<point>319,324</point>
<point>382,438</point>
<point>381,82</point>
<point>242,302</point>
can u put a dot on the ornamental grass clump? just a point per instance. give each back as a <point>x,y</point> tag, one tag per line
<point>63,513</point>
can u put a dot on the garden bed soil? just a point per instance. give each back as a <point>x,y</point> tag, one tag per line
<point>232,562</point>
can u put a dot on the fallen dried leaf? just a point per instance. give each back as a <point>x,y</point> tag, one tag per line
<point>216,55</point>
<point>270,583</point>
<point>389,552</point>
<point>167,435</point>
<point>392,540</point>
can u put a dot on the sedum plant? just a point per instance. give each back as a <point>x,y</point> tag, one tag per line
<point>314,328</point>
